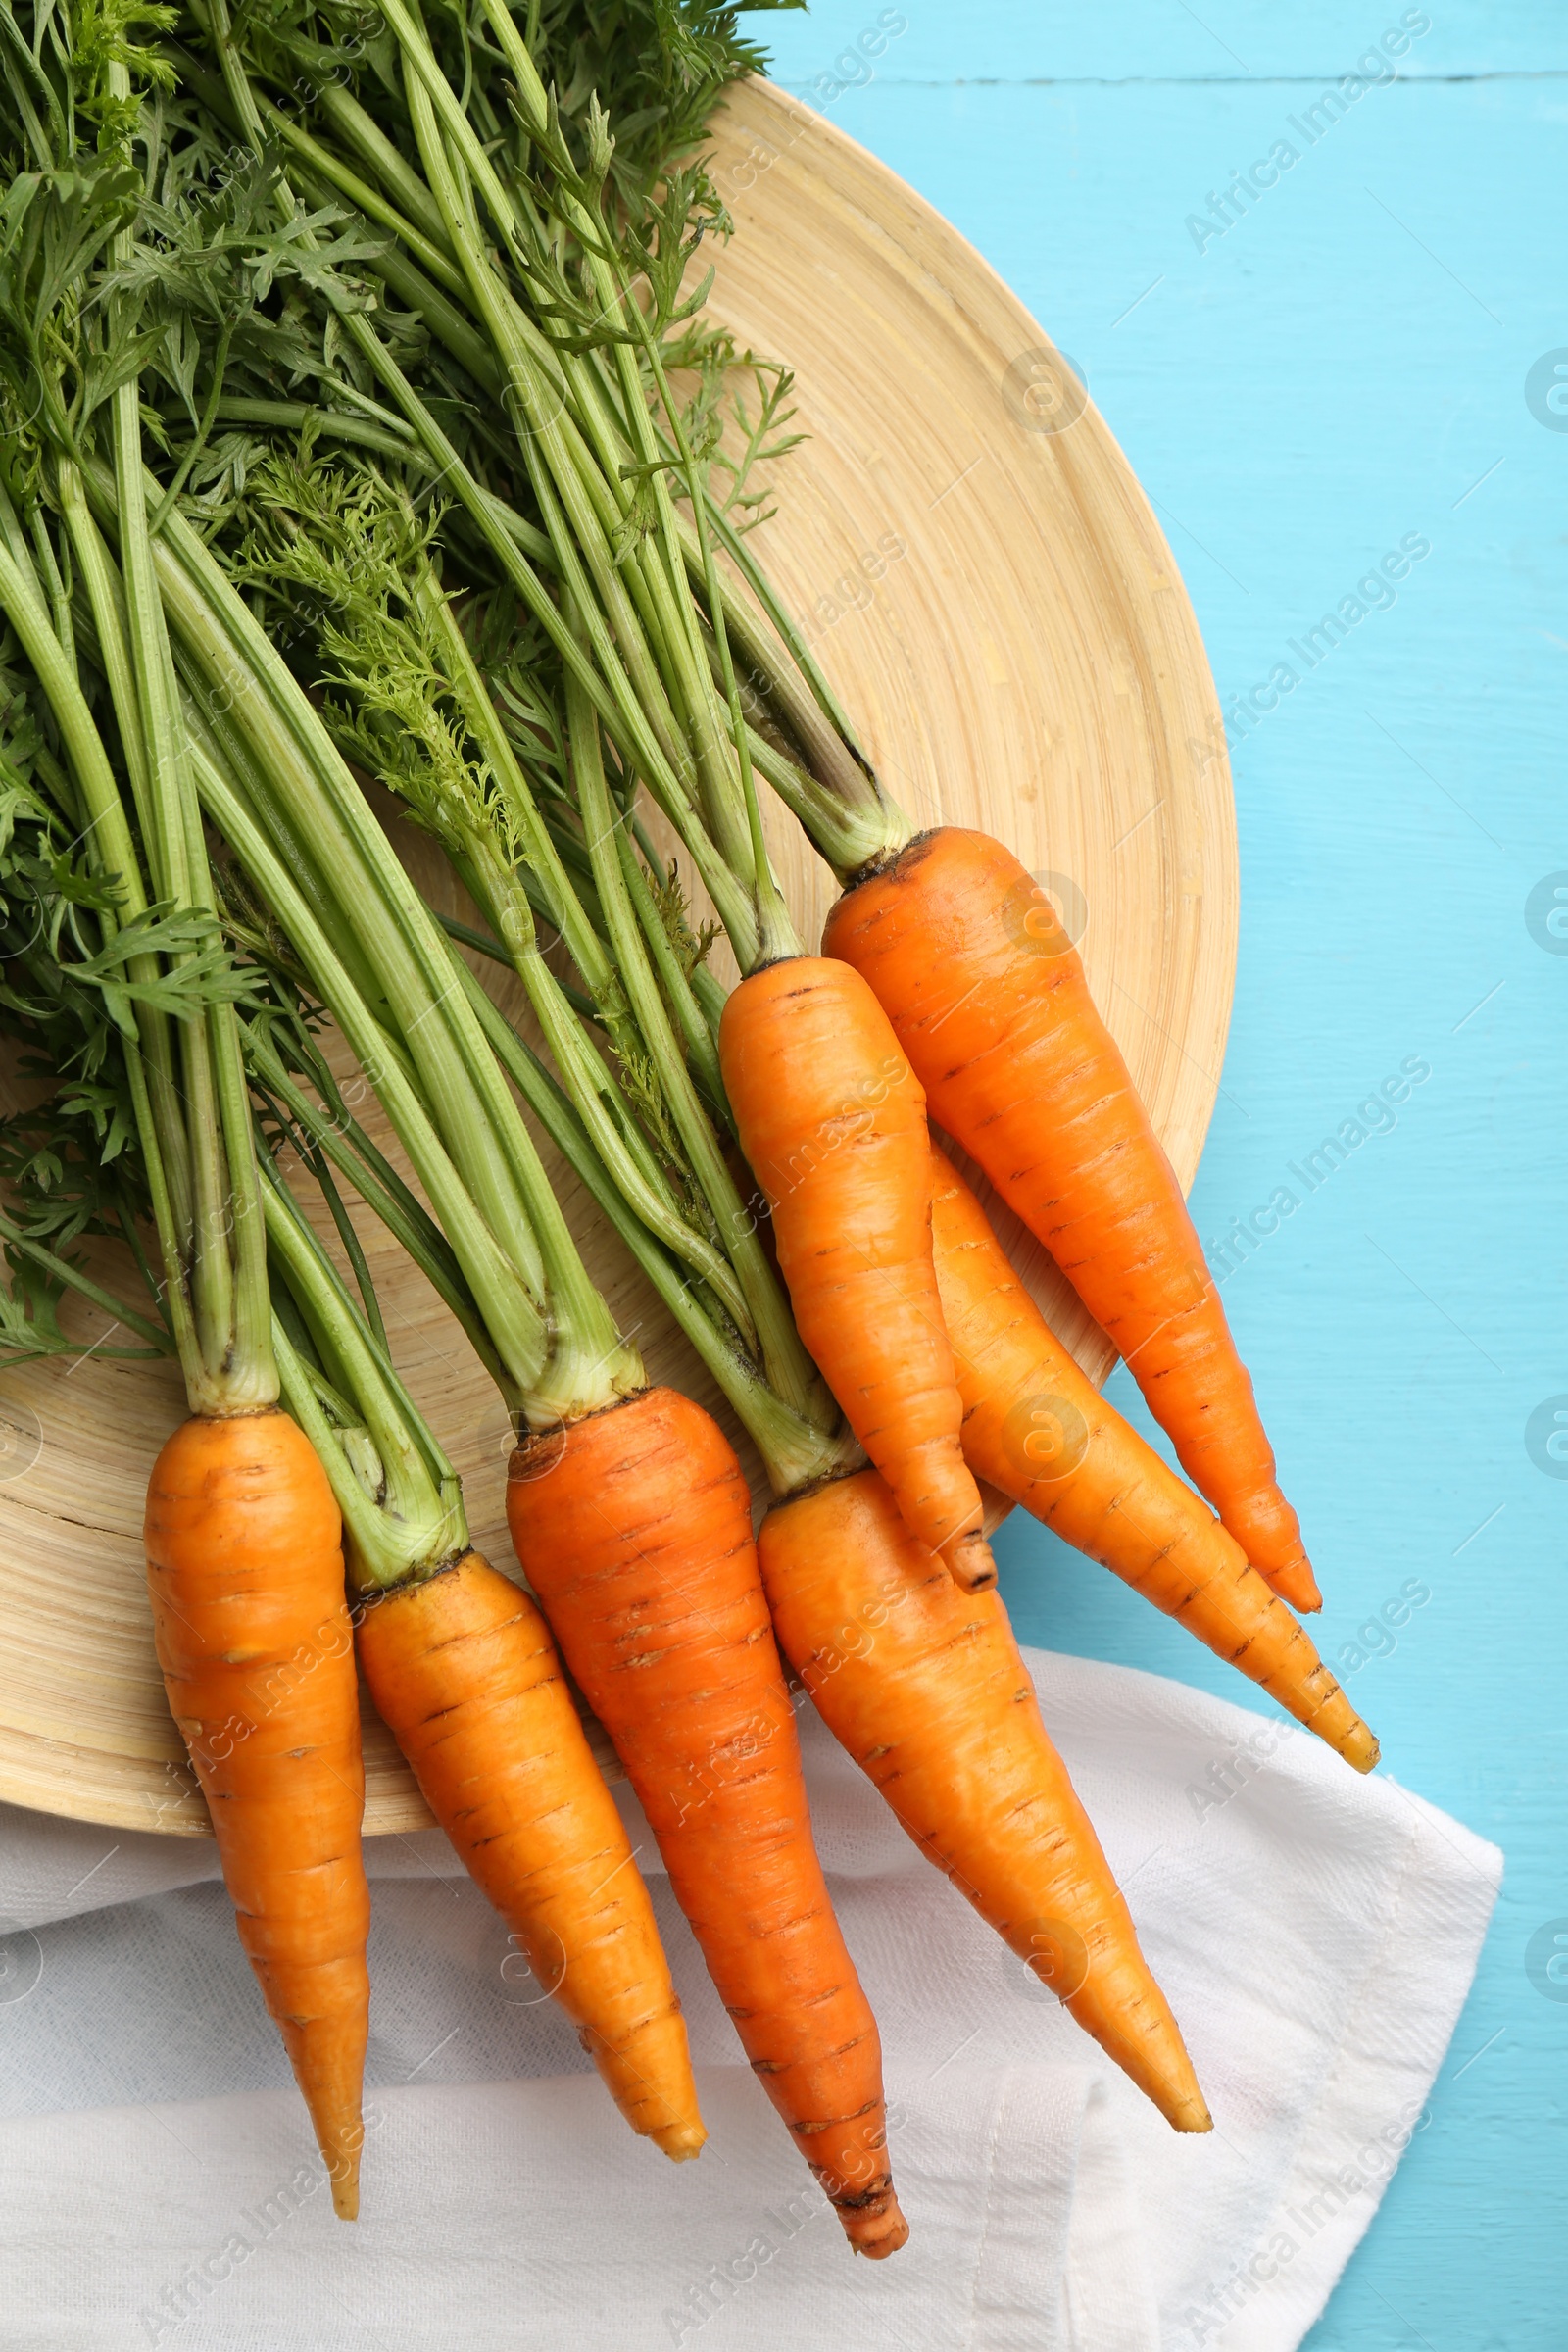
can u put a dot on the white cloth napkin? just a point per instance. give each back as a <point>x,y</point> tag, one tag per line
<point>1316,1935</point>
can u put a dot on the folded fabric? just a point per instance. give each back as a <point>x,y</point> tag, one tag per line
<point>530,2217</point>
<point>1316,1935</point>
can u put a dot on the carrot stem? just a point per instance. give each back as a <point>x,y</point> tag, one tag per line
<point>786,1365</point>
<point>403,1509</point>
<point>794,1451</point>
<point>108,828</point>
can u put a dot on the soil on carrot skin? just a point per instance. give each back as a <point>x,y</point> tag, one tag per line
<point>897,861</point>
<point>537,1438</point>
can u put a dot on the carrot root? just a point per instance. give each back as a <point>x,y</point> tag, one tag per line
<point>1039,1432</point>
<point>634,1527</point>
<point>925,1686</point>
<point>465,1673</point>
<point>245,1575</point>
<point>832,1120</point>
<point>988,998</point>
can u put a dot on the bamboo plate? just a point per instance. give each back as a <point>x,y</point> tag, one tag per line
<point>991,595</point>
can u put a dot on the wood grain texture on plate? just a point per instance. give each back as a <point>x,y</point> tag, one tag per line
<point>987,589</point>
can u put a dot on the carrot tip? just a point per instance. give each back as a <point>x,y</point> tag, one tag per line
<point>969,1563</point>
<point>680,2142</point>
<point>340,2153</point>
<point>1173,2086</point>
<point>877,2233</point>
<point>1297,1584</point>
<point>1192,2114</point>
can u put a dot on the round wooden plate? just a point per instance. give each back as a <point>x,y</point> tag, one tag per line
<point>987,589</point>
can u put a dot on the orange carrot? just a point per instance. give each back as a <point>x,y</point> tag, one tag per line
<point>923,1684</point>
<point>245,1572</point>
<point>634,1527</point>
<point>1040,1433</point>
<point>462,1669</point>
<point>833,1123</point>
<point>988,998</point>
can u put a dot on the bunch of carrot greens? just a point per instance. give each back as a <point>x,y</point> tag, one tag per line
<point>362,423</point>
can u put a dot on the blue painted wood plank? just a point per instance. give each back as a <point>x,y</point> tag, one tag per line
<point>1048,40</point>
<point>1357,360</point>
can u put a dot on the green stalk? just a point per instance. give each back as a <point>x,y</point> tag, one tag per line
<point>291,416</point>
<point>850,819</point>
<point>338,1137</point>
<point>668,619</point>
<point>844,845</point>
<point>789,1369</point>
<point>471,840</point>
<point>401,1500</point>
<point>600,673</point>
<point>555,1338</point>
<point>231,1304</point>
<point>776,933</point>
<point>483,721</point>
<point>100,797</point>
<point>380,907</point>
<point>697,1037</point>
<point>518,1319</point>
<point>107,605</point>
<point>63,1270</point>
<point>736,547</point>
<point>360,1264</point>
<point>675,627</point>
<point>364,137</point>
<point>854,823</point>
<point>432,257</point>
<point>482,944</point>
<point>837,802</point>
<point>624,1155</point>
<point>631,427</point>
<point>794,1452</point>
<point>589,508</point>
<point>59,599</point>
<point>555,1335</point>
<point>245,741</point>
<point>776,936</point>
<point>450,327</point>
<point>600,445</point>
<point>566,480</point>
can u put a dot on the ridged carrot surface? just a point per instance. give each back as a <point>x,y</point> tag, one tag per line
<point>832,1120</point>
<point>463,1670</point>
<point>245,1572</point>
<point>988,998</point>
<point>634,1527</point>
<point>1040,1433</point>
<point>923,1684</point>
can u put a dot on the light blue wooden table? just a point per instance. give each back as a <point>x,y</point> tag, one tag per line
<point>1362,352</point>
